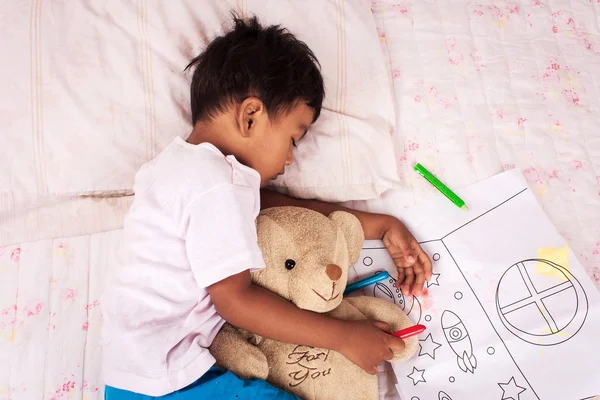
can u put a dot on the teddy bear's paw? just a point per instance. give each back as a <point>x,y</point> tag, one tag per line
<point>409,350</point>
<point>382,310</point>
<point>253,367</point>
<point>233,351</point>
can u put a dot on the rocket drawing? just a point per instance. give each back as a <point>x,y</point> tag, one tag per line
<point>459,341</point>
<point>443,396</point>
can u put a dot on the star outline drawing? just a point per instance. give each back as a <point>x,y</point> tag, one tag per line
<point>510,389</point>
<point>434,280</point>
<point>418,376</point>
<point>428,346</point>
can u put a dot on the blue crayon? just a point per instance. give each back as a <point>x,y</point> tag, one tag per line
<point>378,277</point>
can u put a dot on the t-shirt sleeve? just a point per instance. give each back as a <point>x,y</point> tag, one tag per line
<point>221,234</point>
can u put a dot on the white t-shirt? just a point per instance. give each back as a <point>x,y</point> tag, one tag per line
<point>192,224</point>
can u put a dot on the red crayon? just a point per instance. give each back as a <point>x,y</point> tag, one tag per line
<point>408,332</point>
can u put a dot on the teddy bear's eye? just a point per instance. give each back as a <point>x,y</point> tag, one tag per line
<point>290,264</point>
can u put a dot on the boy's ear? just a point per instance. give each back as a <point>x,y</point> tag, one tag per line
<point>250,112</point>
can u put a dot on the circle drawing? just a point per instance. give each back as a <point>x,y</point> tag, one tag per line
<point>458,295</point>
<point>491,350</point>
<point>436,257</point>
<point>368,261</point>
<point>414,398</point>
<point>541,302</point>
<point>455,333</point>
<point>451,379</point>
<point>428,318</point>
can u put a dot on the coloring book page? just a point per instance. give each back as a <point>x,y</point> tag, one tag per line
<point>510,312</point>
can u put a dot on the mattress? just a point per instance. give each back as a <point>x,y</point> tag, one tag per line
<point>479,87</point>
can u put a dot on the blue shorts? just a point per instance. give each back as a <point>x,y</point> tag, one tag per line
<point>216,383</point>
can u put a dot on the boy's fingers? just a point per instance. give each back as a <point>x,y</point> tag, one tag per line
<point>382,325</point>
<point>408,282</point>
<point>422,258</point>
<point>409,256</point>
<point>407,251</point>
<point>388,355</point>
<point>419,280</point>
<point>401,277</point>
<point>400,261</point>
<point>396,343</point>
<point>372,370</point>
<point>426,262</point>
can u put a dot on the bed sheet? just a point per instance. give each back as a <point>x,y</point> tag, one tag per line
<point>485,86</point>
<point>50,318</point>
<point>479,87</point>
<point>482,87</point>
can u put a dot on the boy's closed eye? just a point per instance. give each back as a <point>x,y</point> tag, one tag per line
<point>304,129</point>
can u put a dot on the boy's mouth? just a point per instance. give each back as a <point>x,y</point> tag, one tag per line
<point>278,175</point>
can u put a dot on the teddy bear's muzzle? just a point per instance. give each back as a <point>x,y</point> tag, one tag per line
<point>331,296</point>
<point>334,273</point>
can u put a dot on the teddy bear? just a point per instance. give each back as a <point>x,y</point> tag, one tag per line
<point>307,257</point>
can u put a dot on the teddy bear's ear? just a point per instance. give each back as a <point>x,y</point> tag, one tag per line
<point>273,242</point>
<point>267,226</point>
<point>352,230</point>
<point>267,230</point>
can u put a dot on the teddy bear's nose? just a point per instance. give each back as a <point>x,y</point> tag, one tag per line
<point>333,272</point>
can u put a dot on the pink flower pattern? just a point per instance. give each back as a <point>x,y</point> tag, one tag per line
<point>514,75</point>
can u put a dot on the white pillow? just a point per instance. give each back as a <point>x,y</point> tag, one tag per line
<point>95,89</point>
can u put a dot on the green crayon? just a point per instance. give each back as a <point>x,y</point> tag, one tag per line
<point>440,186</point>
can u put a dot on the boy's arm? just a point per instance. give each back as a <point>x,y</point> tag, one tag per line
<point>260,311</point>
<point>374,225</point>
<point>412,263</point>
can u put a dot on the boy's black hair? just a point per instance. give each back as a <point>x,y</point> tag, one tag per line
<point>252,60</point>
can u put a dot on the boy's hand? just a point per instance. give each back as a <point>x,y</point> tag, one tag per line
<point>412,263</point>
<point>368,343</point>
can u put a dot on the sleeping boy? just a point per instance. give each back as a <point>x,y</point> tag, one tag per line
<point>190,235</point>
